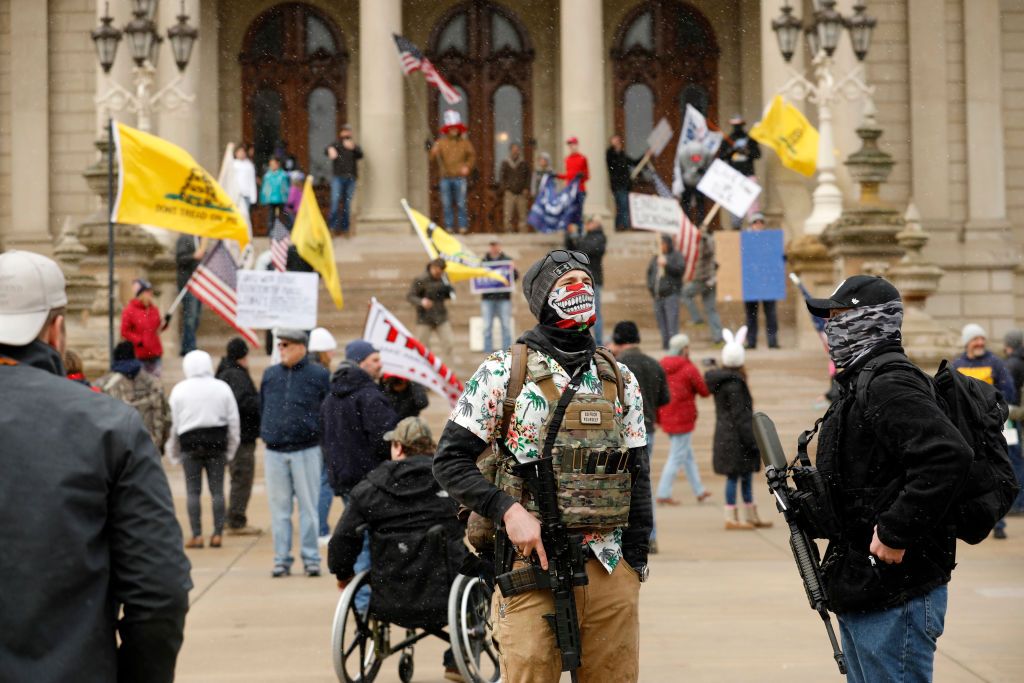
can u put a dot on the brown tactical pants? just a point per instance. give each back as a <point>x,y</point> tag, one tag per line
<point>608,613</point>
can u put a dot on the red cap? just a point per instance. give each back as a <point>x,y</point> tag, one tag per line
<point>572,141</point>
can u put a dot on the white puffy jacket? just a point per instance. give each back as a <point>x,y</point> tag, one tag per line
<point>201,400</point>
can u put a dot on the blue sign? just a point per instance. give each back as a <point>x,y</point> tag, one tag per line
<point>763,265</point>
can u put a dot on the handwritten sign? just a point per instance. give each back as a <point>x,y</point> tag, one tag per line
<point>651,212</point>
<point>660,136</point>
<point>730,188</point>
<point>268,299</point>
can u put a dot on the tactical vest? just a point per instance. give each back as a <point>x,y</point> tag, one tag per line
<point>590,458</point>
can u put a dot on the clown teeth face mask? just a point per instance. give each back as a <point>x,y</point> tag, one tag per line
<point>574,306</point>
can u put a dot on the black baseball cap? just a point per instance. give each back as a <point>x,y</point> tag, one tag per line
<point>854,292</point>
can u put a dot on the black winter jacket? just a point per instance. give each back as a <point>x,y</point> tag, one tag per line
<point>592,243</point>
<point>87,528</point>
<point>652,380</point>
<point>246,396</point>
<point>897,463</point>
<point>354,417</point>
<point>397,496</point>
<point>672,281</point>
<point>290,399</point>
<point>620,166</point>
<point>438,291</point>
<point>734,451</point>
<point>408,403</point>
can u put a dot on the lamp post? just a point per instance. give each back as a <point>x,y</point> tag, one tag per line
<point>823,35</point>
<point>144,42</point>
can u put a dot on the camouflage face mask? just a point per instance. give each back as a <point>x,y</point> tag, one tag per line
<point>853,333</point>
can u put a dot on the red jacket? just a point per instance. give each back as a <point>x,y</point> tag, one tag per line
<point>576,164</point>
<point>141,326</point>
<point>684,382</point>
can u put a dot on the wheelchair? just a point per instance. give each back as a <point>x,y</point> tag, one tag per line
<point>418,594</point>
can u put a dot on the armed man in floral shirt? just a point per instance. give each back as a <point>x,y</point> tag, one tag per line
<point>599,460</point>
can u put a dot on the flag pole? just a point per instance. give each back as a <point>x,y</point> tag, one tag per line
<point>110,238</point>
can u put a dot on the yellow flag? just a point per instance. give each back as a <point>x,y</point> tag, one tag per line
<point>313,242</point>
<point>161,184</point>
<point>785,129</point>
<point>460,263</point>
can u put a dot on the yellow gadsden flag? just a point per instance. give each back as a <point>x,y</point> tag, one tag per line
<point>793,138</point>
<point>460,263</point>
<point>161,184</point>
<point>313,242</point>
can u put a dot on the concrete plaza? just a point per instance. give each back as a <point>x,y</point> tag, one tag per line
<point>720,606</point>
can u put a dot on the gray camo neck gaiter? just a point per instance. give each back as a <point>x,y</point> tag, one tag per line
<point>857,331</point>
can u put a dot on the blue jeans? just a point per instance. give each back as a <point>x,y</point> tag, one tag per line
<point>666,313</point>
<point>894,645</point>
<point>453,196</point>
<point>650,454</point>
<point>745,488</point>
<point>324,507</point>
<point>361,565</point>
<point>293,475</point>
<point>707,294</point>
<point>191,307</point>
<point>502,308</point>
<point>342,189</point>
<point>621,209</point>
<point>680,454</point>
<point>599,320</point>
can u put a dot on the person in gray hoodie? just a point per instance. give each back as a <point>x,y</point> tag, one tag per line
<point>205,434</point>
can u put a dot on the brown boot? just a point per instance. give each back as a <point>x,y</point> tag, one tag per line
<point>215,541</point>
<point>732,519</point>
<point>194,543</point>
<point>751,514</point>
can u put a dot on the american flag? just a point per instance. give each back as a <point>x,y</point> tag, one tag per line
<point>280,241</point>
<point>215,283</point>
<point>413,60</point>
<point>689,234</point>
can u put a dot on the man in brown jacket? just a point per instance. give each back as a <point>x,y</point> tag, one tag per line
<point>428,293</point>
<point>515,184</point>
<point>455,159</point>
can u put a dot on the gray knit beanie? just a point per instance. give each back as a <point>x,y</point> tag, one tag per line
<point>543,274</point>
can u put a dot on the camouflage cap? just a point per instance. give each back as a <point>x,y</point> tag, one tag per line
<point>414,434</point>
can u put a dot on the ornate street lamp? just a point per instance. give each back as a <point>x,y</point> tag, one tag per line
<point>182,37</point>
<point>813,43</point>
<point>787,31</point>
<point>154,51</point>
<point>105,37</point>
<point>860,26</point>
<point>140,31</point>
<point>830,24</point>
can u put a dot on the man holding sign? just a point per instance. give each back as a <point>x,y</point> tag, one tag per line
<point>620,167</point>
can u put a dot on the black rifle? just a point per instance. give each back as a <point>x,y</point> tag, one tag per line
<point>788,500</point>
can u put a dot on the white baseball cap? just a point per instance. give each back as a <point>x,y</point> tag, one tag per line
<point>30,287</point>
<point>321,340</point>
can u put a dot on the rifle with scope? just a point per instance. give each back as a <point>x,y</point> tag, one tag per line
<point>796,506</point>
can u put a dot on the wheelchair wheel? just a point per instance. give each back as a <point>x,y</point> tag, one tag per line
<point>469,626</point>
<point>352,637</point>
<point>405,667</point>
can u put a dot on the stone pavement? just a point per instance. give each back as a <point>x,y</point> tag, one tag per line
<point>720,606</point>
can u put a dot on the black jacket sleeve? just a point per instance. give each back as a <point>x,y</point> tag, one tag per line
<point>379,416</point>
<point>636,537</point>
<point>346,542</point>
<point>664,396</point>
<point>149,570</point>
<point>935,458</point>
<point>675,266</point>
<point>420,400</point>
<point>455,469</point>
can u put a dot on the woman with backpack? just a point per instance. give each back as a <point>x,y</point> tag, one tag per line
<point>735,452</point>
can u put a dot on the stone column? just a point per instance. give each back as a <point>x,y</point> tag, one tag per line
<point>30,128</point>
<point>582,57</point>
<point>383,172</point>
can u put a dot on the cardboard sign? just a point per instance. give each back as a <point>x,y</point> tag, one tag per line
<point>729,276</point>
<point>730,188</point>
<point>268,299</point>
<point>651,212</point>
<point>659,137</point>
<point>486,285</point>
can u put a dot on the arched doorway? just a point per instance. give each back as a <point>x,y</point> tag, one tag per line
<point>293,90</point>
<point>483,50</point>
<point>664,56</point>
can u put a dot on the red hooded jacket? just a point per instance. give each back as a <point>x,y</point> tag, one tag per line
<point>576,164</point>
<point>679,416</point>
<point>141,326</point>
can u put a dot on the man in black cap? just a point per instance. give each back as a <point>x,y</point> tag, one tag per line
<point>739,150</point>
<point>893,465</point>
<point>234,369</point>
<point>604,416</point>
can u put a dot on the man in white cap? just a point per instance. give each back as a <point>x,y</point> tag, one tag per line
<point>88,522</point>
<point>455,160</point>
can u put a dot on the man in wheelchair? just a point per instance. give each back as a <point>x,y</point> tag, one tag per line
<point>416,544</point>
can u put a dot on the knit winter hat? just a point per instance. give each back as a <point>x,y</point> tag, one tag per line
<point>140,285</point>
<point>677,344</point>
<point>970,331</point>
<point>124,351</point>
<point>543,274</point>
<point>237,349</point>
<point>626,332</point>
<point>321,340</point>
<point>359,350</point>
<point>1014,339</point>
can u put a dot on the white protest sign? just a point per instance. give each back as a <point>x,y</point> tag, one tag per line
<point>651,212</point>
<point>659,137</point>
<point>268,299</point>
<point>730,188</point>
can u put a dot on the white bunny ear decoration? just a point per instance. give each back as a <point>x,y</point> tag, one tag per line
<point>741,335</point>
<point>727,335</point>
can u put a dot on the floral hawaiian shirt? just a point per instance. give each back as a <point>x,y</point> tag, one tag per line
<point>479,410</point>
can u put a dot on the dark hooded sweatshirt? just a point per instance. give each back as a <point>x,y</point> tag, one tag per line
<point>353,418</point>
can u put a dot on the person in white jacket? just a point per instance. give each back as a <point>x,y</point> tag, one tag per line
<point>243,191</point>
<point>204,436</point>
